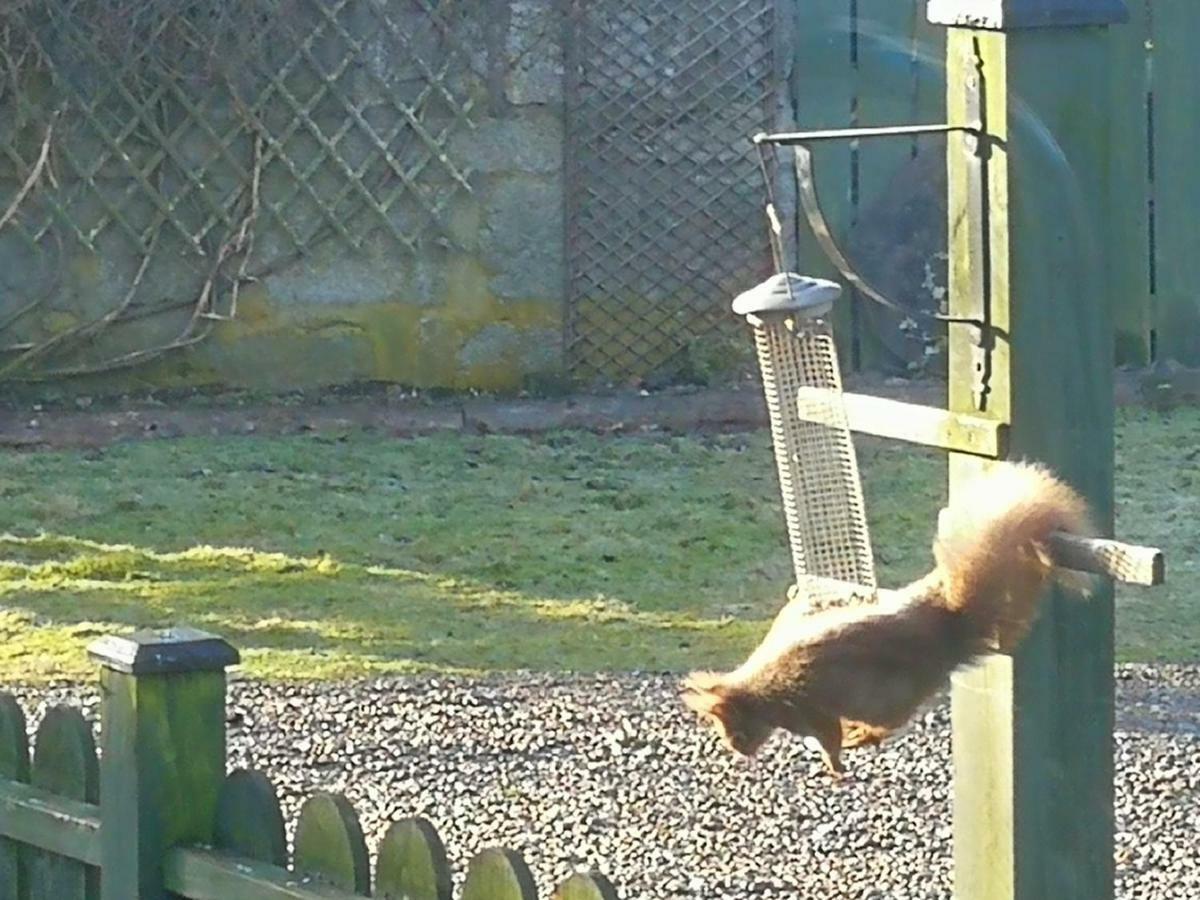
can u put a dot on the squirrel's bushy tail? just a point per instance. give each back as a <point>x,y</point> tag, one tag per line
<point>991,547</point>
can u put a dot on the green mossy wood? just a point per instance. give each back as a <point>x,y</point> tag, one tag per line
<point>412,863</point>
<point>585,887</point>
<point>14,766</point>
<point>162,767</point>
<point>201,874</point>
<point>65,764</point>
<point>173,826</point>
<point>329,844</point>
<point>249,822</point>
<point>498,874</point>
<point>163,759</point>
<point>1033,778</point>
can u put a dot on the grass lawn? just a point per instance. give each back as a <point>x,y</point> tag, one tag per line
<point>329,556</point>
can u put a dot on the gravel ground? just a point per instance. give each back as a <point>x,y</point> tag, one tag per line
<point>611,772</point>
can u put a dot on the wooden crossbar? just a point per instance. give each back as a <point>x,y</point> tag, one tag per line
<point>30,815</point>
<point>914,423</point>
<point>1127,563</point>
<point>981,436</point>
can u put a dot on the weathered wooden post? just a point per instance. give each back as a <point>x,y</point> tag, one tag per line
<point>1033,783</point>
<point>163,740</point>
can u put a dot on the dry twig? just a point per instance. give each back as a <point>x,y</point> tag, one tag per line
<point>34,175</point>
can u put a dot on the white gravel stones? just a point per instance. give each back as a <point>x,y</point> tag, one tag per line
<point>611,772</point>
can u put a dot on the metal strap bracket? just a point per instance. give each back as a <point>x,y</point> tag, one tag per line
<point>978,143</point>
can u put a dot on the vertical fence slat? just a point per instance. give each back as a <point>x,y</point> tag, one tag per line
<point>886,89</point>
<point>329,844</point>
<point>64,763</point>
<point>929,105</point>
<point>822,87</point>
<point>1177,180</point>
<point>585,887</point>
<point>249,821</point>
<point>929,70</point>
<point>14,766</point>
<point>498,874</point>
<point>1130,215</point>
<point>412,863</point>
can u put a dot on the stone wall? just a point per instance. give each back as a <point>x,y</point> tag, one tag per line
<point>487,314</point>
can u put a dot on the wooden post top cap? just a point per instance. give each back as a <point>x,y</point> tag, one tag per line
<point>164,651</point>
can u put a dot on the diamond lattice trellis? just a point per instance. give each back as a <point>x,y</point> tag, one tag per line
<point>664,196</point>
<point>172,126</point>
<point>352,108</point>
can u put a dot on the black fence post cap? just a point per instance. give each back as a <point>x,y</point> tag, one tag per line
<point>1015,14</point>
<point>164,651</point>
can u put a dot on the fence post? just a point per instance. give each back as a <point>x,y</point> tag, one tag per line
<point>1033,767</point>
<point>163,740</point>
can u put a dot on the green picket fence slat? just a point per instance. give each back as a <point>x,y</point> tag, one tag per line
<point>249,822</point>
<point>65,764</point>
<point>412,863</point>
<point>498,874</point>
<point>329,844</point>
<point>586,886</point>
<point>14,766</point>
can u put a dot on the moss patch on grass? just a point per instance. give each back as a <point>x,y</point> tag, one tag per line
<point>328,556</point>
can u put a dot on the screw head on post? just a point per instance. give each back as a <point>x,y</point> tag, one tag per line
<point>164,651</point>
<point>788,292</point>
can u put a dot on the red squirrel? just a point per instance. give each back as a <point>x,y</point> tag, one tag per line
<point>850,676</point>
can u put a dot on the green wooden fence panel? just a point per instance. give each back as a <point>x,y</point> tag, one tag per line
<point>822,85</point>
<point>329,844</point>
<point>1177,180</point>
<point>249,821</point>
<point>14,766</point>
<point>929,76</point>
<point>1130,217</point>
<point>412,863</point>
<point>498,874</point>
<point>65,764</point>
<point>886,94</point>
<point>201,874</point>
<point>586,887</point>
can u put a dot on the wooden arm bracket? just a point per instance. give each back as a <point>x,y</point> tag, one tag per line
<point>981,436</point>
<point>1127,563</point>
<point>912,422</point>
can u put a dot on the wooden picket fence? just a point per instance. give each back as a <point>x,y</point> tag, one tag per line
<point>156,815</point>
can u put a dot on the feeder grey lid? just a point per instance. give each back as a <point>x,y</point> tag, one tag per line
<point>807,296</point>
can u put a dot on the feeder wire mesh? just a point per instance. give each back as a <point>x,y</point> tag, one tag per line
<point>814,452</point>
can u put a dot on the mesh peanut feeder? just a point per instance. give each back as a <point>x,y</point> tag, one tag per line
<point>814,451</point>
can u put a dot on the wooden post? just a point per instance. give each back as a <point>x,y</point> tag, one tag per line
<point>163,760</point>
<point>1033,771</point>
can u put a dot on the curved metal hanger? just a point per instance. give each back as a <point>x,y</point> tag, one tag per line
<point>813,213</point>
